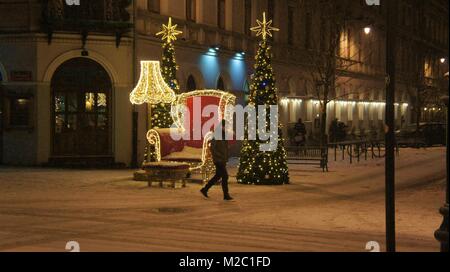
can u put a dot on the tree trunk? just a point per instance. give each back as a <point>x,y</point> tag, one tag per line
<point>323,116</point>
<point>323,126</point>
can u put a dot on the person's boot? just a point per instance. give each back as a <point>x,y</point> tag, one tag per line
<point>204,192</point>
<point>227,198</point>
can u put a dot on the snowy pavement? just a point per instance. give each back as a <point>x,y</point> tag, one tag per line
<point>104,210</point>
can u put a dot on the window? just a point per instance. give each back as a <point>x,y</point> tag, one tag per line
<point>220,84</point>
<point>271,10</point>
<point>308,25</point>
<point>248,17</point>
<point>323,35</point>
<point>290,33</point>
<point>191,85</point>
<point>221,14</point>
<point>191,9</point>
<point>153,6</point>
<point>344,45</point>
<point>271,13</point>
<point>18,112</point>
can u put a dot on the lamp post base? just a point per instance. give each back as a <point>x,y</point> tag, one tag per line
<point>442,233</point>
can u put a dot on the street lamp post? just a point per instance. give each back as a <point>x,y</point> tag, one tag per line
<point>442,233</point>
<point>391,29</point>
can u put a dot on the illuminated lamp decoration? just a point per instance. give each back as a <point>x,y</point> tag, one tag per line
<point>151,88</point>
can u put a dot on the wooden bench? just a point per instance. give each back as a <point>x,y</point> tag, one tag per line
<point>308,156</point>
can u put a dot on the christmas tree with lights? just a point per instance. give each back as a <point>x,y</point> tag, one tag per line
<point>161,117</point>
<point>257,166</point>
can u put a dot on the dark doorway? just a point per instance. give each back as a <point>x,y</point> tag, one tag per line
<point>81,103</point>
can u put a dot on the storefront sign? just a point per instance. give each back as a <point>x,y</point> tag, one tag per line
<point>21,76</point>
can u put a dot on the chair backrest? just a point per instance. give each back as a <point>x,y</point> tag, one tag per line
<point>188,110</point>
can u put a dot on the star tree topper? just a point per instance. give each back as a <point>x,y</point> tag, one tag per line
<point>264,28</point>
<point>169,32</point>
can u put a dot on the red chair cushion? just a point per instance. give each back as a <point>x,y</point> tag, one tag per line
<point>196,105</point>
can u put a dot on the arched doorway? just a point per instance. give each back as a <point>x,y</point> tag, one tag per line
<point>81,111</point>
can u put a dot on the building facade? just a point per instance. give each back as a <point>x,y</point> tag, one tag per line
<point>67,75</point>
<point>66,71</point>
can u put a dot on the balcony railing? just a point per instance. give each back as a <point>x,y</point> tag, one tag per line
<point>99,16</point>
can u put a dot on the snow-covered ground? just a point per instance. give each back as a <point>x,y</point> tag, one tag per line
<point>104,210</point>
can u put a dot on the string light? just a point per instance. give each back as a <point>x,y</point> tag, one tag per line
<point>351,102</point>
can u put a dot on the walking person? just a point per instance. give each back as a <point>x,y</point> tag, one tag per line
<point>219,151</point>
<point>300,129</point>
<point>333,130</point>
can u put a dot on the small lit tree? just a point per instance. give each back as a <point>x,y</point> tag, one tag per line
<point>256,166</point>
<point>161,117</point>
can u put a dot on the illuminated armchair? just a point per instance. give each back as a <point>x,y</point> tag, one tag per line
<point>189,139</point>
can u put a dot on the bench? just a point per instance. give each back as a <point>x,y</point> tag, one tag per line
<point>308,156</point>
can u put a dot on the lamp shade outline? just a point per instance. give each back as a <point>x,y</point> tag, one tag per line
<point>151,87</point>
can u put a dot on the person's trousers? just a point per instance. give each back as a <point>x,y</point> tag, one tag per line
<point>221,173</point>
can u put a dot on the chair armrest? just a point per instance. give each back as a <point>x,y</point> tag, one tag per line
<point>165,141</point>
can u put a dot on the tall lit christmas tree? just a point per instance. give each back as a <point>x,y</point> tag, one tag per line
<point>161,117</point>
<point>256,166</point>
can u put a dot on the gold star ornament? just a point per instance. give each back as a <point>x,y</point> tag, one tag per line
<point>169,32</point>
<point>264,28</point>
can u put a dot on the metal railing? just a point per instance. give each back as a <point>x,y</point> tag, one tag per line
<point>359,149</point>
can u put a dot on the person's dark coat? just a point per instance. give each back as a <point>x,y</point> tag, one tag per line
<point>219,151</point>
<point>300,128</point>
